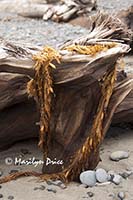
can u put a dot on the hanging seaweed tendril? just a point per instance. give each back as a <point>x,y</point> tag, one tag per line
<point>41,87</point>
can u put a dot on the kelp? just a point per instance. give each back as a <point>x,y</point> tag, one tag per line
<point>89,49</point>
<point>41,88</point>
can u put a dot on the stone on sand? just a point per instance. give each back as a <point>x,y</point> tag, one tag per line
<point>88,178</point>
<point>119,155</point>
<point>101,175</point>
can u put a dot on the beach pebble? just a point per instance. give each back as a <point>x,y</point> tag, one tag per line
<point>1,195</point>
<point>121,195</point>
<point>13,171</point>
<point>57,183</point>
<point>11,197</point>
<point>88,178</point>
<point>101,175</point>
<point>116,179</point>
<point>90,194</point>
<point>25,151</point>
<point>125,175</point>
<point>112,195</point>
<point>119,155</point>
<point>42,187</point>
<point>110,177</point>
<point>1,173</point>
<point>51,190</point>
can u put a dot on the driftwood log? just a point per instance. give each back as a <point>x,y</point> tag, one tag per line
<point>74,101</point>
<point>61,10</point>
<point>82,109</point>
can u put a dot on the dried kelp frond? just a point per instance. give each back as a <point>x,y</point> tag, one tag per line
<point>41,87</point>
<point>106,27</point>
<point>90,49</point>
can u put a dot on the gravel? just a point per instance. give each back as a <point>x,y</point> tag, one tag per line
<point>39,32</point>
<point>114,5</point>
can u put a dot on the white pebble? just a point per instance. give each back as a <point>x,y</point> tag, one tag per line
<point>119,155</point>
<point>101,175</point>
<point>117,179</point>
<point>121,195</point>
<point>88,178</point>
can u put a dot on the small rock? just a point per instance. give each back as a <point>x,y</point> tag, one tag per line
<point>51,190</point>
<point>42,187</point>
<point>25,151</point>
<point>88,178</point>
<point>117,179</point>
<point>101,175</point>
<point>119,155</point>
<point>121,195</point>
<point>49,182</point>
<point>1,173</point>
<point>35,188</point>
<point>1,195</point>
<point>90,194</point>
<point>110,177</point>
<point>11,197</point>
<point>63,186</point>
<point>85,197</point>
<point>112,195</point>
<point>57,183</point>
<point>125,175</point>
<point>13,171</point>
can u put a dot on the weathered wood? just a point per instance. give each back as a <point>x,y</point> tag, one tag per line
<point>17,68</point>
<point>50,9</point>
<point>124,112</point>
<point>18,122</point>
<point>20,113</point>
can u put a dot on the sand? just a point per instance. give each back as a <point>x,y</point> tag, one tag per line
<point>23,188</point>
